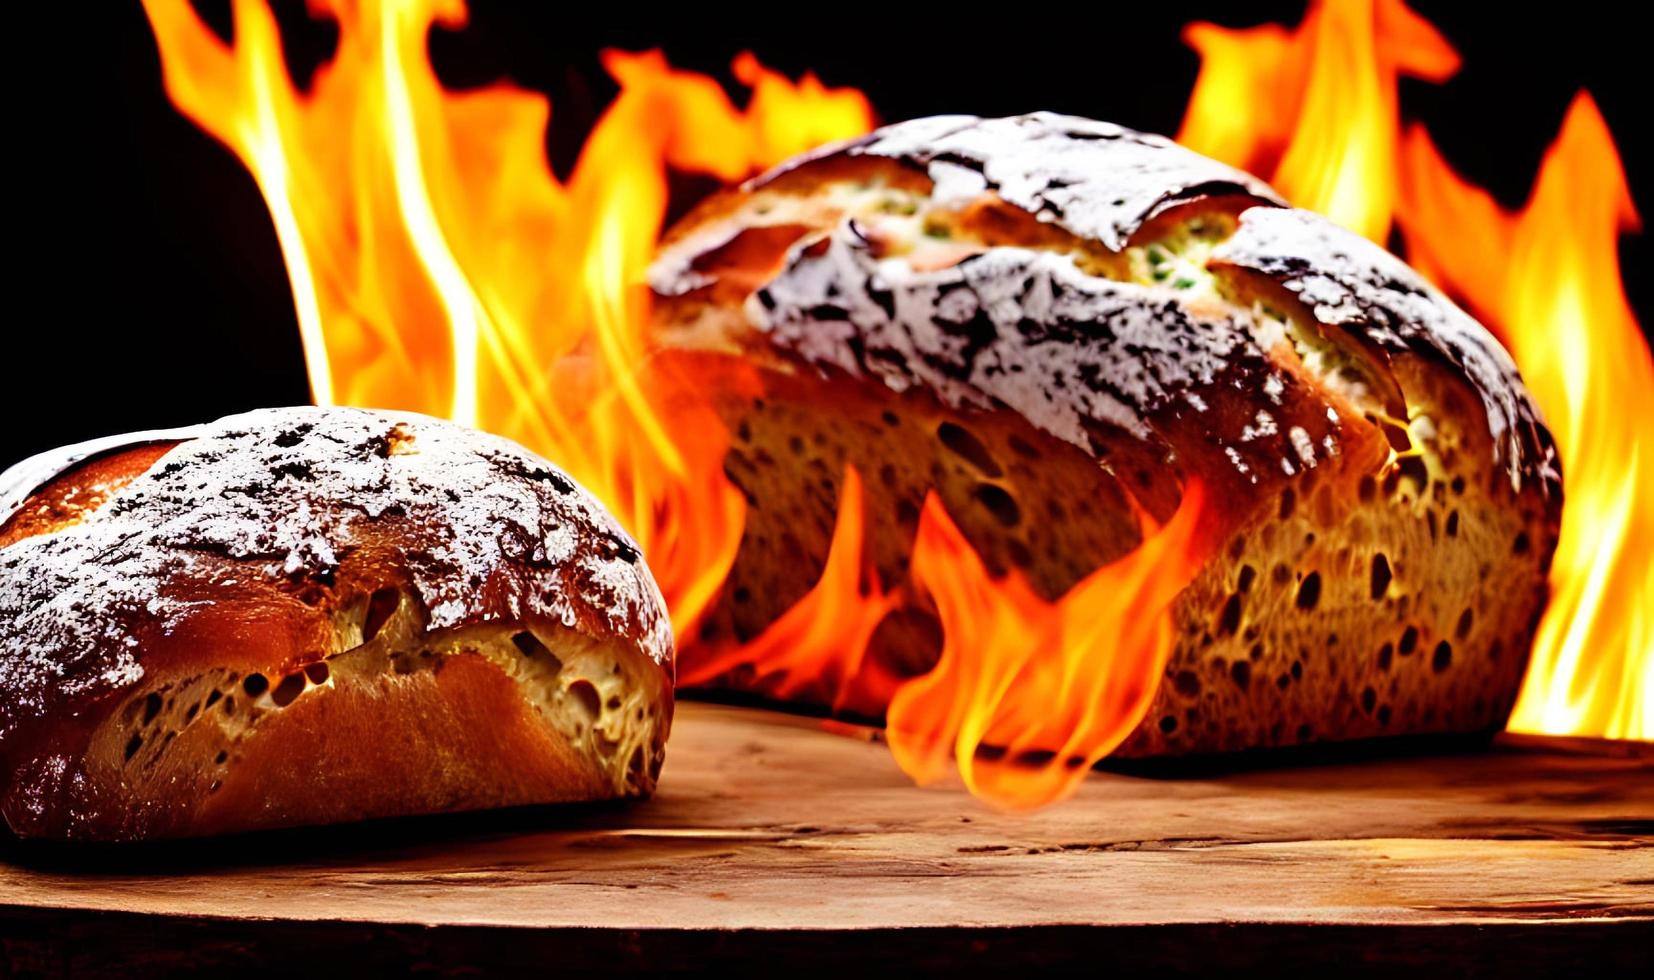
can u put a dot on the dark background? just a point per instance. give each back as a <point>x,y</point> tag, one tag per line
<point>151,290</point>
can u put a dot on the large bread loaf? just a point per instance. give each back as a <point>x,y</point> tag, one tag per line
<point>1050,321</point>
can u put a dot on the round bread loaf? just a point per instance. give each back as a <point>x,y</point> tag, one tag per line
<point>1050,322</point>
<point>307,615</point>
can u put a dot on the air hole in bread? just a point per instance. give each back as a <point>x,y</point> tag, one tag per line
<point>968,447</point>
<point>316,673</point>
<point>1229,620</point>
<point>288,691</point>
<point>1309,591</point>
<point>586,697</point>
<point>381,606</point>
<point>1442,658</point>
<point>1409,641</point>
<point>255,684</point>
<point>133,745</point>
<point>1187,683</point>
<point>999,503</point>
<point>1380,581</point>
<point>152,707</point>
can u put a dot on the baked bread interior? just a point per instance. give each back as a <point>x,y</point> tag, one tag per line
<point>308,615</point>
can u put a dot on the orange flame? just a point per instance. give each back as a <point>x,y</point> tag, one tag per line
<point>822,641</point>
<point>1030,694</point>
<point>1314,110</point>
<point>1557,298</point>
<point>1545,279</point>
<point>438,265</point>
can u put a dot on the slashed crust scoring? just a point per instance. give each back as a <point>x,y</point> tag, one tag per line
<point>1025,328</point>
<point>230,548</point>
<point>1349,283</point>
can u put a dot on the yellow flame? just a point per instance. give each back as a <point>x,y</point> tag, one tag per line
<point>1556,296</point>
<point>438,265</point>
<point>1029,693</point>
<point>1315,110</point>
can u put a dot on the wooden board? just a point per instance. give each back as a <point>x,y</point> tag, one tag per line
<point>775,838</point>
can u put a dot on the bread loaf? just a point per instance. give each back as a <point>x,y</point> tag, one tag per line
<point>303,616</point>
<point>1049,322</point>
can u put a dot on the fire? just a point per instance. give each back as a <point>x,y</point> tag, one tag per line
<point>1315,110</point>
<point>823,639</point>
<point>1556,297</point>
<point>438,265</point>
<point>1030,694</point>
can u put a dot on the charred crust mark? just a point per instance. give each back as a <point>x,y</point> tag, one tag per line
<point>617,547</point>
<point>512,464</point>
<point>1352,284</point>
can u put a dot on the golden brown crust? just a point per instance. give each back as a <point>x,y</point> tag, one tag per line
<point>181,624</point>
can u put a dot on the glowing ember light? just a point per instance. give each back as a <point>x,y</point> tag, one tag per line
<point>1545,279</point>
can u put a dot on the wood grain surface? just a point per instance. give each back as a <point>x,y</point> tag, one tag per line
<point>783,839</point>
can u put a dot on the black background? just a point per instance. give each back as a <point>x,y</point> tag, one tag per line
<point>150,290</point>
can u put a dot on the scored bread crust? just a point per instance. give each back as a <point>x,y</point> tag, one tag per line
<point>1385,494</point>
<point>307,615</point>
